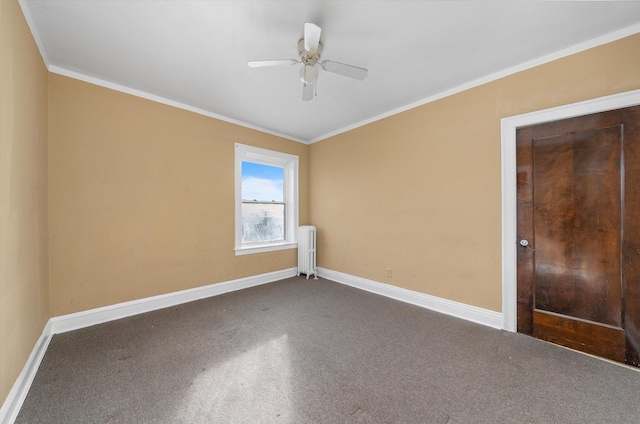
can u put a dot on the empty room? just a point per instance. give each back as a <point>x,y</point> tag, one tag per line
<point>319,211</point>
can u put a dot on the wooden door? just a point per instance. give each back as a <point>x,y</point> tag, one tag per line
<point>579,233</point>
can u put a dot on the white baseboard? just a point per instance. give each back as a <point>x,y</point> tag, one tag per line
<point>64,323</point>
<point>18,393</point>
<point>438,304</point>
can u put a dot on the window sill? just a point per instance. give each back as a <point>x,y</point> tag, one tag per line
<point>262,248</point>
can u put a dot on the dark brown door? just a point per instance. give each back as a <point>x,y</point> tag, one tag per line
<point>579,233</point>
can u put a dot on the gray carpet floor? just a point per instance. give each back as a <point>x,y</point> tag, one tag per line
<point>305,351</point>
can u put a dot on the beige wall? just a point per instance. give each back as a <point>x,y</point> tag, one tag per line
<point>24,292</point>
<point>142,198</point>
<point>420,191</point>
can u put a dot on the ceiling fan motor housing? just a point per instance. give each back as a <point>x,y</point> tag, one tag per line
<point>306,57</point>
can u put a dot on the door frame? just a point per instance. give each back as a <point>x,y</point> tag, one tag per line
<point>508,126</point>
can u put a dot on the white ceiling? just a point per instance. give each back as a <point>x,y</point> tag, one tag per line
<point>194,54</point>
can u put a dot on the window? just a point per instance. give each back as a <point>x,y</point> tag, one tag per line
<point>266,200</point>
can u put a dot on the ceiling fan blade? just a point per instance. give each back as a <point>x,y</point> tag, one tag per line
<point>308,91</point>
<point>344,69</point>
<point>277,62</point>
<point>311,37</point>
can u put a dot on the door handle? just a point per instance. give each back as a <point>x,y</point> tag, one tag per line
<point>524,242</point>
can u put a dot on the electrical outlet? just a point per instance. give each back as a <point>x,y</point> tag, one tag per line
<point>389,273</point>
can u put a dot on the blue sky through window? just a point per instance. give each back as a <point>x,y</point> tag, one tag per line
<point>262,182</point>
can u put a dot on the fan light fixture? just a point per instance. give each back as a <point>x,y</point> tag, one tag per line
<point>308,74</point>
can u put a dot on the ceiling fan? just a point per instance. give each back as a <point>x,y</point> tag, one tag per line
<point>310,50</point>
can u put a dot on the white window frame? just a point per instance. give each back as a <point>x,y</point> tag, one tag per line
<point>289,162</point>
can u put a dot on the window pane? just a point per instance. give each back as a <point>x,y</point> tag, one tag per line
<point>262,182</point>
<point>262,222</point>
